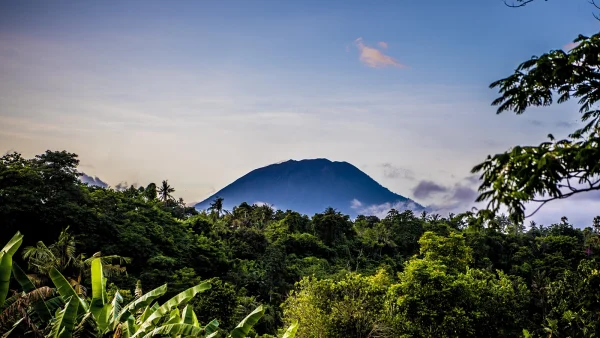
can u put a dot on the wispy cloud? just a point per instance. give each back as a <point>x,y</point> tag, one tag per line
<point>382,44</point>
<point>536,123</point>
<point>448,198</point>
<point>473,179</point>
<point>392,171</point>
<point>355,204</point>
<point>570,45</point>
<point>426,189</point>
<point>375,58</point>
<point>565,124</point>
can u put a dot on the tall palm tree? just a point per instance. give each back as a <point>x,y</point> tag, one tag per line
<point>164,191</point>
<point>217,206</point>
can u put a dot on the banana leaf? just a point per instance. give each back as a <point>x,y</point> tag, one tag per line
<point>98,292</point>
<point>212,328</point>
<point>174,317</point>
<point>244,327</point>
<point>140,303</point>
<point>185,330</point>
<point>291,331</point>
<point>39,307</point>
<point>177,300</point>
<point>147,312</point>
<point>188,316</point>
<point>66,291</point>
<point>65,320</point>
<point>6,255</point>
<point>116,306</point>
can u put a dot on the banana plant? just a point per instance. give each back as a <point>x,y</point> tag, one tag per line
<point>33,305</point>
<point>143,317</point>
<point>291,331</point>
<point>244,327</point>
<point>6,263</point>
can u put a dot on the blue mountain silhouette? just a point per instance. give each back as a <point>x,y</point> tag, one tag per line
<point>310,186</point>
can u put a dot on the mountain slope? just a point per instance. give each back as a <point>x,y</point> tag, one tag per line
<point>308,186</point>
<point>92,180</point>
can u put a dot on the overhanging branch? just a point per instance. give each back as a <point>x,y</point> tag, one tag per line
<point>521,3</point>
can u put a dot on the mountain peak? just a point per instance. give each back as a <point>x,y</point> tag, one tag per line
<point>309,186</point>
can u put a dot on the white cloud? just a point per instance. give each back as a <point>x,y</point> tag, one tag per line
<point>381,210</point>
<point>260,204</point>
<point>382,44</point>
<point>375,58</point>
<point>355,204</point>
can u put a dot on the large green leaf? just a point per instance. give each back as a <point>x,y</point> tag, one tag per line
<point>127,328</point>
<point>244,327</point>
<point>87,327</point>
<point>212,328</point>
<point>177,300</point>
<point>65,290</point>
<point>140,303</point>
<point>115,308</point>
<point>188,316</point>
<point>39,307</point>
<point>147,312</point>
<point>185,330</point>
<point>291,331</point>
<point>174,317</point>
<point>6,255</point>
<point>98,293</point>
<point>104,318</point>
<point>55,304</point>
<point>65,320</point>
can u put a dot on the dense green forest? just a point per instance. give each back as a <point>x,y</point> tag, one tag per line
<point>89,261</point>
<point>404,275</point>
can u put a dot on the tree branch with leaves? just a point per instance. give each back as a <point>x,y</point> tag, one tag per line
<point>550,170</point>
<point>523,3</point>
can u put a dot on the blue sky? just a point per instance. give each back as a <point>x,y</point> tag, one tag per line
<point>201,92</point>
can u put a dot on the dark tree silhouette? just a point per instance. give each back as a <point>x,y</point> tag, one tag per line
<point>164,191</point>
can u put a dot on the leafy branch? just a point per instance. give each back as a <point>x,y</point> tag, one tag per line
<point>523,3</point>
<point>546,172</point>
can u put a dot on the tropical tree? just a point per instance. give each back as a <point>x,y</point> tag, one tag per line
<point>556,169</point>
<point>351,307</point>
<point>216,207</point>
<point>150,192</point>
<point>62,256</point>
<point>165,191</point>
